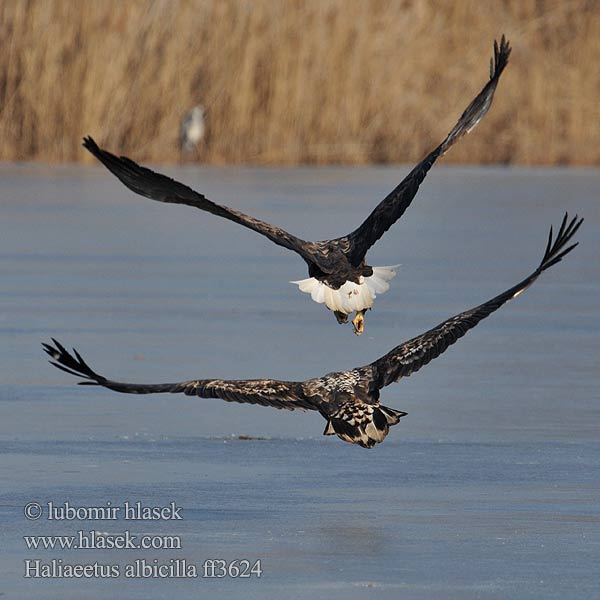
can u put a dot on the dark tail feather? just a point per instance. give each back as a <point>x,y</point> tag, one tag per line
<point>366,430</point>
<point>500,60</point>
<point>479,107</point>
<point>121,167</point>
<point>392,415</point>
<point>554,251</point>
<point>74,365</point>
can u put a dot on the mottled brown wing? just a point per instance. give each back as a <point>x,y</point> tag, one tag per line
<point>156,186</point>
<point>409,357</point>
<point>266,392</point>
<point>393,206</point>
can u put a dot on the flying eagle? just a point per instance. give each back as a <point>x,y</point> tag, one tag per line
<point>338,273</point>
<point>348,400</point>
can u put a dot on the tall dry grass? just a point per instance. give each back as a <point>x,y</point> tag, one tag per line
<point>290,81</point>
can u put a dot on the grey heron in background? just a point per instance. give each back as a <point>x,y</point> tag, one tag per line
<point>193,129</point>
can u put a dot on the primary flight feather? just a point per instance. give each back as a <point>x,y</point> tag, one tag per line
<point>339,275</point>
<point>348,400</point>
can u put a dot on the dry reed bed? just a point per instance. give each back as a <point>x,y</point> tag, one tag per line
<point>290,82</point>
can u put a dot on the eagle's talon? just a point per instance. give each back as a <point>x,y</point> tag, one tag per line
<point>359,322</point>
<point>341,317</point>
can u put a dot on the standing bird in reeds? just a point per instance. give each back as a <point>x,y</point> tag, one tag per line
<point>192,129</point>
<point>348,400</point>
<point>339,275</point>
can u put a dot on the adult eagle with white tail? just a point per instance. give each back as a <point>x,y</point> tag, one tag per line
<point>338,273</point>
<point>348,400</point>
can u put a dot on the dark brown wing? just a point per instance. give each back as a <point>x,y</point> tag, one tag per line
<point>156,186</point>
<point>409,357</point>
<point>266,392</point>
<point>393,206</point>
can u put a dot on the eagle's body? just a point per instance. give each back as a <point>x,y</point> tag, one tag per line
<point>356,293</point>
<point>339,275</point>
<point>348,400</point>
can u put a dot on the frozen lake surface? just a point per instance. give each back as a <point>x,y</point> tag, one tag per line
<point>488,489</point>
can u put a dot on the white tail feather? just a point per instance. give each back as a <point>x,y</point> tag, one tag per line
<point>351,296</point>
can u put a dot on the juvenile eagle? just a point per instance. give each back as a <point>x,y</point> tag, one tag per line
<point>338,273</point>
<point>348,400</point>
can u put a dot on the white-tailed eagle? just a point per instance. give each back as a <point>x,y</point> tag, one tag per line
<point>339,275</point>
<point>348,400</point>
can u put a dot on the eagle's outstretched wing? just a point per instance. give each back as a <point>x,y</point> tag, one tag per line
<point>156,186</point>
<point>266,392</point>
<point>409,357</point>
<point>389,210</point>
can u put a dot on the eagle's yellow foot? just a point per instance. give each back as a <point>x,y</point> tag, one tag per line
<point>359,322</point>
<point>341,317</point>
